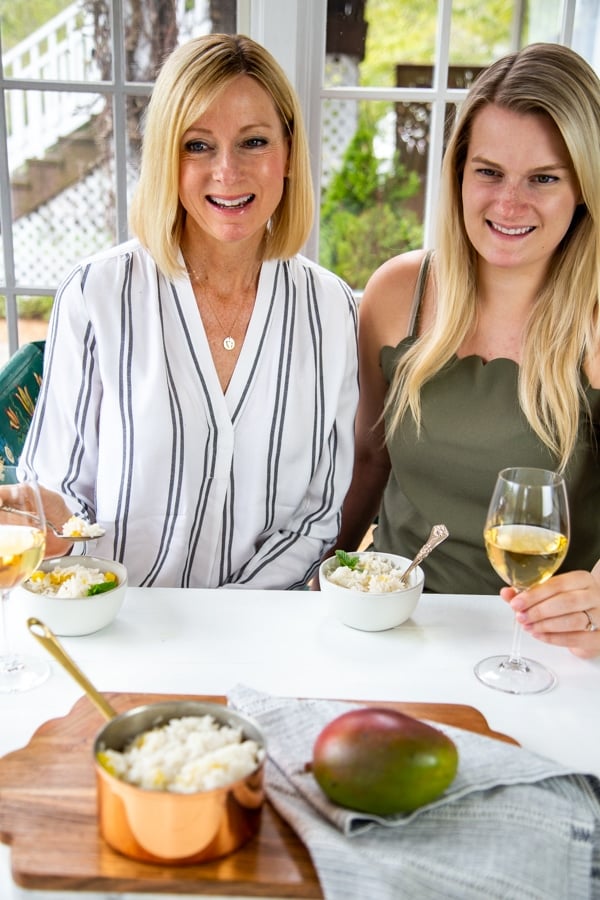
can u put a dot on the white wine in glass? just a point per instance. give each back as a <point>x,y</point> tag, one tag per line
<point>526,537</point>
<point>22,545</point>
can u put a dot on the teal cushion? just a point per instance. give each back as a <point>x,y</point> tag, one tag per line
<point>20,380</point>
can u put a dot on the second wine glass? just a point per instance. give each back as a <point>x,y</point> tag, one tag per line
<point>22,544</point>
<point>526,537</point>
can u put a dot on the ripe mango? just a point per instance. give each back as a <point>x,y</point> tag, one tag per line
<point>381,761</point>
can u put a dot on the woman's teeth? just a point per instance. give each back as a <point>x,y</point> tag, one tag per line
<point>511,231</point>
<point>231,204</point>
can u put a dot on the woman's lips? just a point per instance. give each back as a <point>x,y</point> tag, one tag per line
<point>514,231</point>
<point>230,202</point>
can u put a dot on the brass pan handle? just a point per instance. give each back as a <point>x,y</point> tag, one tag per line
<point>50,642</point>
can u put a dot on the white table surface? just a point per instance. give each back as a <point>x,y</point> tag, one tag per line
<point>206,641</point>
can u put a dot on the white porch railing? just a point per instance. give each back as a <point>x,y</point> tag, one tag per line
<point>63,50</point>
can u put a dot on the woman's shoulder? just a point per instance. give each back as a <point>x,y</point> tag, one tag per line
<point>106,273</point>
<point>111,257</point>
<point>398,274</point>
<point>115,251</point>
<point>389,296</point>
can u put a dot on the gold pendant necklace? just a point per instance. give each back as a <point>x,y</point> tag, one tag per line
<point>228,340</point>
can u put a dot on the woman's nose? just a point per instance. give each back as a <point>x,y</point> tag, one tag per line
<point>226,166</point>
<point>512,196</point>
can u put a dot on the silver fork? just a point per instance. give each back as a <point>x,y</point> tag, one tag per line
<point>56,531</point>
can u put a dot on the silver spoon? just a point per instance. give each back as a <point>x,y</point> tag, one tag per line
<point>53,528</point>
<point>438,534</point>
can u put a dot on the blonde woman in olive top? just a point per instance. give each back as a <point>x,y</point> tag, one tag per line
<point>486,353</point>
<point>200,381</point>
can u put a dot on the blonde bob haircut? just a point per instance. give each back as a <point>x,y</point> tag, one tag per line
<point>563,328</point>
<point>189,82</point>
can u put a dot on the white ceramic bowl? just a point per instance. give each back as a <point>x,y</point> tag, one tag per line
<point>372,611</point>
<point>70,616</point>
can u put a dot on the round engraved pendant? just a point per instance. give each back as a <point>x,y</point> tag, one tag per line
<point>229,343</point>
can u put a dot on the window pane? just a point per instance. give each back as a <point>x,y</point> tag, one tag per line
<point>480,32</point>
<point>38,120</point>
<point>544,20</point>
<point>63,195</point>
<point>150,33</point>
<point>136,107</point>
<point>153,28</point>
<point>376,35</point>
<point>52,41</point>
<point>33,315</point>
<point>371,188</point>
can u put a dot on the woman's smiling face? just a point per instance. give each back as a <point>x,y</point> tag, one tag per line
<point>519,190</point>
<point>233,163</point>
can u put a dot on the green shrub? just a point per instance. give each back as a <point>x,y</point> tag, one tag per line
<point>30,308</point>
<point>364,215</point>
<point>354,245</point>
<point>35,308</point>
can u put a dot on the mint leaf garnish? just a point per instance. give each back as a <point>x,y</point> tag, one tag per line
<point>345,559</point>
<point>101,588</point>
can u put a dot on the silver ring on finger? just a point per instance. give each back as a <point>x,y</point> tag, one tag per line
<point>591,625</point>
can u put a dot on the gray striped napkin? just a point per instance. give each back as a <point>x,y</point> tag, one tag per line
<point>512,826</point>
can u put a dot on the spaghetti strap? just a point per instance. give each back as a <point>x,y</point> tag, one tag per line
<point>419,291</point>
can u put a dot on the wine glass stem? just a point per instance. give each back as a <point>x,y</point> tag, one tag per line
<point>5,645</point>
<point>515,658</point>
<point>515,653</point>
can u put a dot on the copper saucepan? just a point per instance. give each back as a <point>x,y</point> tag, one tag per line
<point>162,826</point>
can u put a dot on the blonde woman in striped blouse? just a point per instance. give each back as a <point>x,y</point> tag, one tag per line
<point>200,381</point>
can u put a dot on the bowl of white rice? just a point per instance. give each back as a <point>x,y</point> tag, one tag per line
<point>179,781</point>
<point>365,590</point>
<point>75,595</point>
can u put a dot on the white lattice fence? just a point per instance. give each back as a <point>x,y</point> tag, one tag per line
<point>73,225</point>
<point>339,116</point>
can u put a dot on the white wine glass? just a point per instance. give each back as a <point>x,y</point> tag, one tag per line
<point>22,545</point>
<point>526,538</point>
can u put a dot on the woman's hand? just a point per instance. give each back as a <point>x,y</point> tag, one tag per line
<point>565,611</point>
<point>57,512</point>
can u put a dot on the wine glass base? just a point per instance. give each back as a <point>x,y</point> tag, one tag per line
<point>22,673</point>
<point>515,676</point>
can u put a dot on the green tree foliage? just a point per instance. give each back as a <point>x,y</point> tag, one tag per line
<point>20,18</point>
<point>364,215</point>
<point>357,182</point>
<point>404,31</point>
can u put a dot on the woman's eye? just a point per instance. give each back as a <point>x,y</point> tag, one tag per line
<point>255,142</point>
<point>487,173</point>
<point>195,146</point>
<point>545,179</point>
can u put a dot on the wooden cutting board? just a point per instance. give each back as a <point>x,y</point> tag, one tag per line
<point>48,816</point>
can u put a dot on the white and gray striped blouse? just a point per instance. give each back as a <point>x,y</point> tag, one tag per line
<point>195,487</point>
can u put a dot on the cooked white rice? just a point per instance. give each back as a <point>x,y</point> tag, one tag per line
<point>372,574</point>
<point>68,581</point>
<point>189,754</point>
<point>78,527</point>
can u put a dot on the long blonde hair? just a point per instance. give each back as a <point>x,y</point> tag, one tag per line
<point>190,80</point>
<point>564,327</point>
